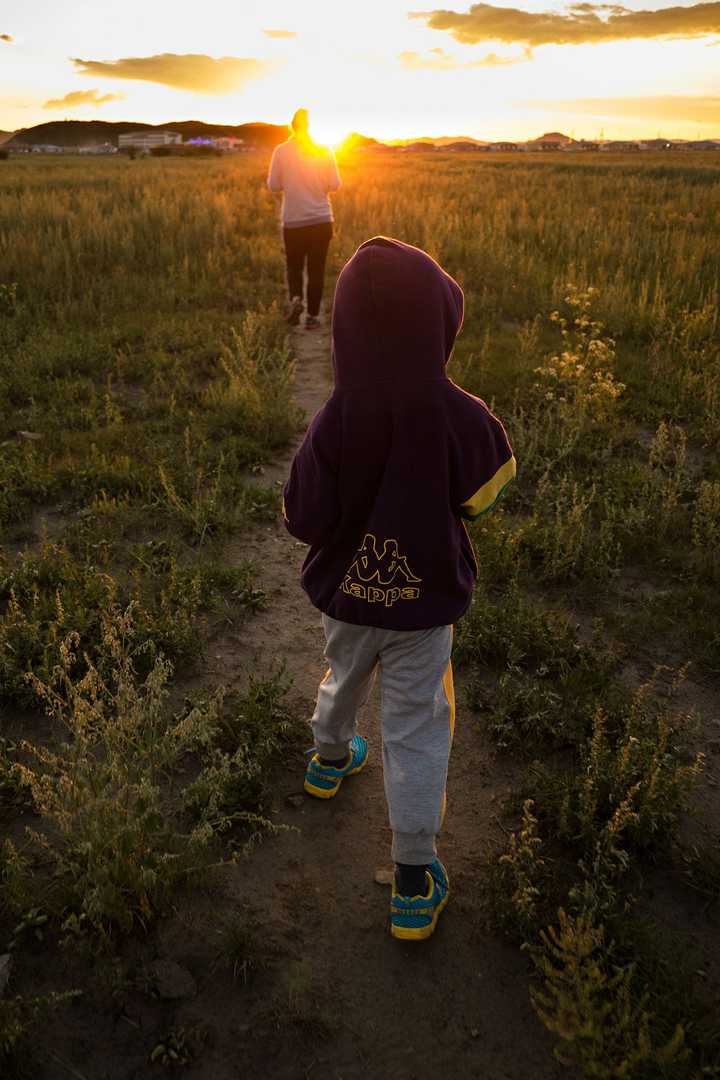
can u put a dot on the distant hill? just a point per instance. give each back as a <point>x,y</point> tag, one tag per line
<point>440,140</point>
<point>5,135</point>
<point>553,137</point>
<point>420,146</point>
<point>76,133</point>
<point>356,141</point>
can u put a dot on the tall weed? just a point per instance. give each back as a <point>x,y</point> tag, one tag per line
<point>103,788</point>
<point>594,1007</point>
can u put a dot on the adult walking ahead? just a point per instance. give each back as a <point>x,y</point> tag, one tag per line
<point>306,174</point>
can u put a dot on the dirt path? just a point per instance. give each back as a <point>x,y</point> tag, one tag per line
<point>345,999</point>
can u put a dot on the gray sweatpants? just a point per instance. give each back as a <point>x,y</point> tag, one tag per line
<point>417,714</point>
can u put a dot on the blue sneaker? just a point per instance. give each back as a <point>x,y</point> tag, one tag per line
<point>323,781</point>
<point>414,918</point>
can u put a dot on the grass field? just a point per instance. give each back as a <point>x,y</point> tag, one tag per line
<point>146,381</point>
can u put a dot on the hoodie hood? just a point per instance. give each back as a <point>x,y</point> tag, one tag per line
<point>395,318</point>
<point>399,456</point>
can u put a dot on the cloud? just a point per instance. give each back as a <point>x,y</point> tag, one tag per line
<point>193,71</point>
<point>439,60</point>
<point>662,108</point>
<point>588,9</point>
<point>583,23</point>
<point>280,33</point>
<point>82,97</point>
<point>6,37</point>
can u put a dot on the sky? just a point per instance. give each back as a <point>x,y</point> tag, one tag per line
<point>386,68</point>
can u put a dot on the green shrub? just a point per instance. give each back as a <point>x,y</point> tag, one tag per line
<point>120,850</point>
<point>514,884</point>
<point>623,796</point>
<point>549,679</point>
<point>706,529</point>
<point>595,1008</point>
<point>249,735</point>
<point>575,395</point>
<point>20,1016</point>
<point>52,590</point>
<point>113,827</point>
<point>12,793</point>
<point>637,763</point>
<point>8,298</point>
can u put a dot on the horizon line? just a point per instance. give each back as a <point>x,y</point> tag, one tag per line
<point>381,141</point>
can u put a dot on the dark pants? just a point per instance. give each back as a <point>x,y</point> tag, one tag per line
<point>308,243</point>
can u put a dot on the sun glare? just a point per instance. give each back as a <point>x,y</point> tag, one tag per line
<point>326,132</point>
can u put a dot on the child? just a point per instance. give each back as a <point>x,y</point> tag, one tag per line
<point>388,468</point>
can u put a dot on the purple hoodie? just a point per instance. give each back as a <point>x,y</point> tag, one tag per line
<point>398,455</point>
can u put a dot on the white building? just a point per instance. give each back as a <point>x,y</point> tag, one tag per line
<point>229,143</point>
<point>620,145</point>
<point>147,140</point>
<point>98,148</point>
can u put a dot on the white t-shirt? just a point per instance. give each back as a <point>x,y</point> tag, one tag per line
<point>306,179</point>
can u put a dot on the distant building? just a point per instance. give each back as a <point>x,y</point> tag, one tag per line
<point>226,143</point>
<point>503,147</point>
<point>584,144</point>
<point>148,140</point>
<point>417,147</point>
<point>705,144</point>
<point>98,148</point>
<point>620,145</point>
<point>461,146</point>
<point>46,148</point>
<point>230,143</point>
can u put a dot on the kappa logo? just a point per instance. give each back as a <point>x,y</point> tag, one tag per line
<point>381,577</point>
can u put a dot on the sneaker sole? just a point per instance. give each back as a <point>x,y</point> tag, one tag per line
<point>330,793</point>
<point>420,933</point>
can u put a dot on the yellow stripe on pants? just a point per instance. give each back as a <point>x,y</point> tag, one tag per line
<point>449,688</point>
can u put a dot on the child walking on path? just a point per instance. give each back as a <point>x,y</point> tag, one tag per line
<point>388,469</point>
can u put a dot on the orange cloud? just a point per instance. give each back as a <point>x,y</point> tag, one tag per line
<point>280,33</point>
<point>583,23</point>
<point>192,71</point>
<point>439,60</point>
<point>6,37</point>
<point>82,97</point>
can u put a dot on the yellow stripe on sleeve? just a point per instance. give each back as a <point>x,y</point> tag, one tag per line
<point>486,496</point>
